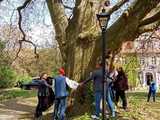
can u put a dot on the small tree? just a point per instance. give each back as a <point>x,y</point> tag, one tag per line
<point>7,77</point>
<point>131,69</point>
<point>7,74</point>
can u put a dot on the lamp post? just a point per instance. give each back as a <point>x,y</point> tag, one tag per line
<point>103,19</point>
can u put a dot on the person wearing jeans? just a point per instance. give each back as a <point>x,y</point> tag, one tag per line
<point>97,77</point>
<point>98,98</point>
<point>59,86</point>
<point>109,101</point>
<point>152,90</point>
<point>60,108</point>
<point>61,93</point>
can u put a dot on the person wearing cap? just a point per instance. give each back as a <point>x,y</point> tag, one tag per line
<point>59,86</point>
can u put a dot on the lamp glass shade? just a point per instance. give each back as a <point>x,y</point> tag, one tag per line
<point>103,19</point>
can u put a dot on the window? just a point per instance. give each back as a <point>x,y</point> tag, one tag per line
<point>124,60</point>
<point>150,45</point>
<point>153,60</point>
<point>142,61</point>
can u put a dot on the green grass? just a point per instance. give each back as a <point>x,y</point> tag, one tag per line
<point>16,92</point>
<point>138,108</point>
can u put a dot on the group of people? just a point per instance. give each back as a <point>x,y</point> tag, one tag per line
<point>116,84</point>
<point>54,90</point>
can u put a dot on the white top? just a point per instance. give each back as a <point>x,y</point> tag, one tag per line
<point>113,74</point>
<point>71,83</point>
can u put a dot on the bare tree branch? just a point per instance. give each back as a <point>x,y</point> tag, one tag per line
<point>19,9</point>
<point>59,20</point>
<point>149,27</point>
<point>68,7</point>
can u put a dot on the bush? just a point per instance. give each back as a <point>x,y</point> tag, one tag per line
<point>54,72</point>
<point>7,77</point>
<point>22,79</point>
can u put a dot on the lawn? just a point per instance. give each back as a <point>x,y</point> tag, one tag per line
<point>12,93</point>
<point>138,108</point>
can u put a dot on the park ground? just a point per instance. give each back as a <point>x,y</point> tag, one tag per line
<point>16,104</point>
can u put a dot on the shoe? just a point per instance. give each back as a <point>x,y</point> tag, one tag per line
<point>95,117</point>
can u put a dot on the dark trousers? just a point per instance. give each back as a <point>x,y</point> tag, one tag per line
<point>153,94</point>
<point>40,105</point>
<point>122,95</point>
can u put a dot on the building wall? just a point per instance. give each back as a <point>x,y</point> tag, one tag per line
<point>148,55</point>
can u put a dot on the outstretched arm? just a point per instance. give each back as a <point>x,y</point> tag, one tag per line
<point>71,83</point>
<point>86,81</point>
<point>45,82</point>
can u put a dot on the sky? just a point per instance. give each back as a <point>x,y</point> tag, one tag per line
<point>37,22</point>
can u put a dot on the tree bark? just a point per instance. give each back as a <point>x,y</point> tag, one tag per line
<point>79,38</point>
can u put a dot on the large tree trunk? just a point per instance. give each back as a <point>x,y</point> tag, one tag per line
<point>79,38</point>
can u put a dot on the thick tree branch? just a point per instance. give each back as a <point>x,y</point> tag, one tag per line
<point>59,20</point>
<point>127,26</point>
<point>117,6</point>
<point>149,27</point>
<point>150,20</point>
<point>89,32</point>
<point>151,17</point>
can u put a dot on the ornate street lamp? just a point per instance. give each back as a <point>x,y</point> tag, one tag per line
<point>103,19</point>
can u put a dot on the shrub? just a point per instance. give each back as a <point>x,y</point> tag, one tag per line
<point>7,77</point>
<point>22,79</point>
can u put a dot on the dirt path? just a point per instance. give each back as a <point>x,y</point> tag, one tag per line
<point>17,109</point>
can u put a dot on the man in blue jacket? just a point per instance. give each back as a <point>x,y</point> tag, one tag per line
<point>60,85</point>
<point>60,89</point>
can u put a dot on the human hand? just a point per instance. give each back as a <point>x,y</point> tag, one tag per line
<point>80,84</point>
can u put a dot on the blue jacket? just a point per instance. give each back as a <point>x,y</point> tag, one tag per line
<point>60,87</point>
<point>153,86</point>
<point>97,77</point>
